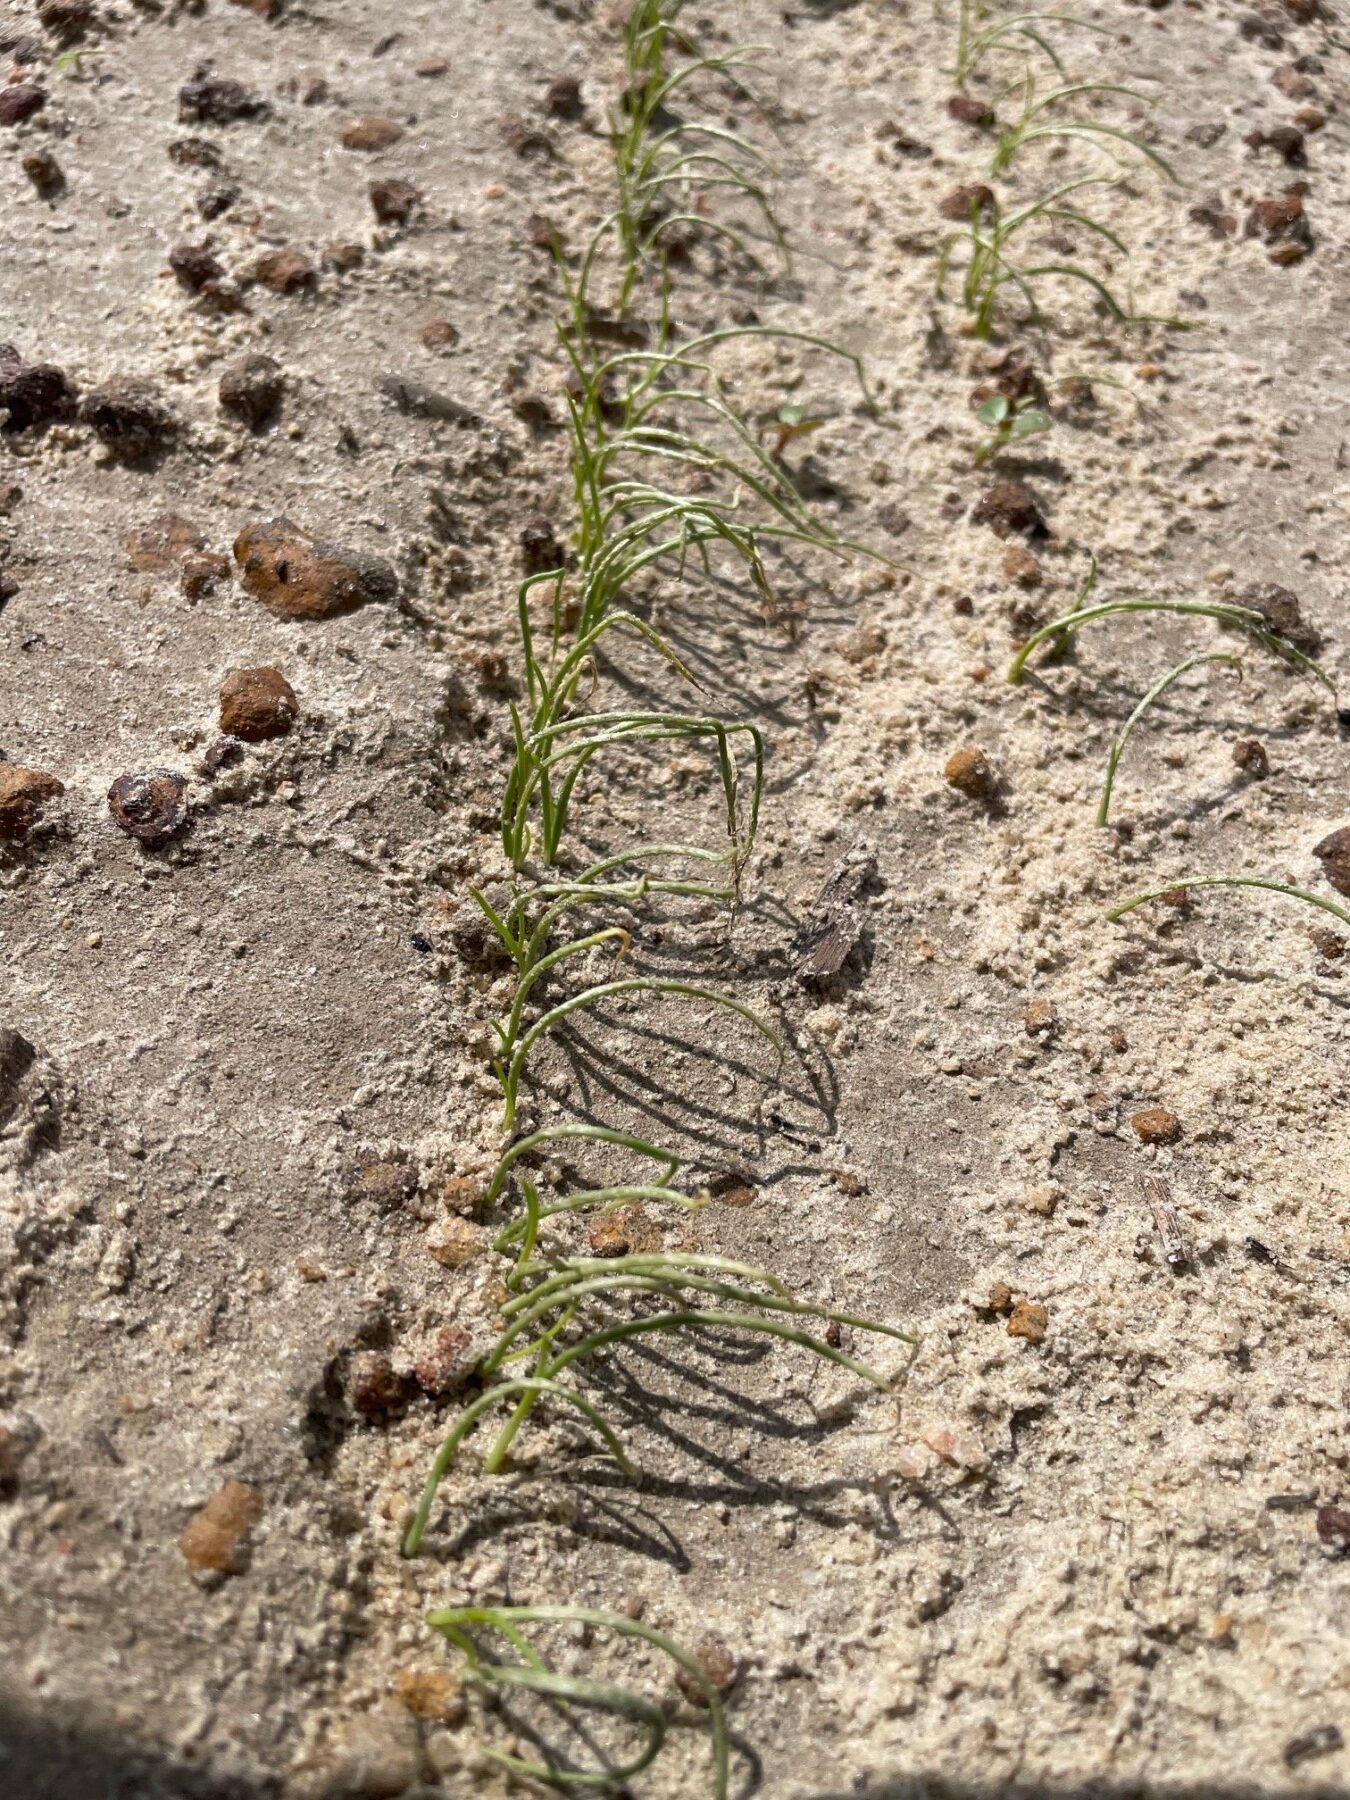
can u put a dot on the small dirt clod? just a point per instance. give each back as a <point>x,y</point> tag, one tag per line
<point>257,704</point>
<point>1249,754</point>
<point>1155,1125</point>
<point>33,394</point>
<point>251,388</point>
<point>210,100</point>
<point>970,772</point>
<point>1008,508</point>
<point>23,795</point>
<point>215,1541</point>
<point>128,417</point>
<point>394,202</point>
<point>1029,1320</point>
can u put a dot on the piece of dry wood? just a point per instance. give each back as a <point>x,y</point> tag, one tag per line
<point>831,928</point>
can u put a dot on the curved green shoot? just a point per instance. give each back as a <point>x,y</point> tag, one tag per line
<point>457,1624</point>
<point>1234,881</point>
<point>1159,688</point>
<point>1242,618</point>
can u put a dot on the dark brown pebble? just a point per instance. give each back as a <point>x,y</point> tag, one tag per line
<point>1257,30</point>
<point>1282,613</point>
<point>217,197</point>
<point>1155,1125</point>
<point>969,110</point>
<point>220,753</point>
<point>394,201</point>
<point>1327,943</point>
<point>203,572</point>
<point>286,271</point>
<point>67,20</point>
<point>196,153</point>
<point>298,577</point>
<point>533,411</point>
<point>257,704</point>
<point>127,415</point>
<point>960,202</point>
<point>1009,507</point>
<point>373,1386</point>
<point>1250,756</point>
<point>33,393</point>
<point>1334,855</point>
<point>971,773</point>
<point>562,98</point>
<point>1286,140</point>
<point>211,100</point>
<point>23,794</point>
<point>1333,1527</point>
<point>251,388</point>
<point>194,266</point>
<point>540,550</point>
<point>43,170</point>
<point>152,807</point>
<point>19,101</point>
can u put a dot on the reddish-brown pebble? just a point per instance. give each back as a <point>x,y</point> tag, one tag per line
<point>1029,1320</point>
<point>1155,1125</point>
<point>394,201</point>
<point>257,704</point>
<point>23,794</point>
<point>717,1664</point>
<point>298,577</point>
<point>1040,1017</point>
<point>439,334</point>
<point>286,271</point>
<point>971,773</point>
<point>202,572</point>
<point>373,1385</point>
<point>373,132</point>
<point>1021,566</point>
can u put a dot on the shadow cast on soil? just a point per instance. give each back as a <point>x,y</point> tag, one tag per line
<point>47,1760</point>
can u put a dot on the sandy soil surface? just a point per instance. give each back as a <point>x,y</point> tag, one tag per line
<point>248,1101</point>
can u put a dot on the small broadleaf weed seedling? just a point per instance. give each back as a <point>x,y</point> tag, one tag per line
<point>1009,421</point>
<point>666,473</point>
